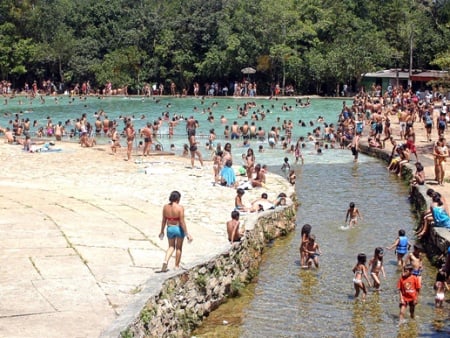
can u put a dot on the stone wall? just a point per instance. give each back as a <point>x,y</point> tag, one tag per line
<point>437,243</point>
<point>186,298</point>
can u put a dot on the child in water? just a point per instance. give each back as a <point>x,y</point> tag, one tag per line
<point>401,245</point>
<point>440,286</point>
<point>306,231</point>
<point>286,166</point>
<point>360,271</point>
<point>352,215</point>
<point>376,266</point>
<point>409,288</point>
<point>292,177</point>
<point>313,252</point>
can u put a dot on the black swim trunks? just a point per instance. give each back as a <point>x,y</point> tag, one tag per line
<point>191,132</point>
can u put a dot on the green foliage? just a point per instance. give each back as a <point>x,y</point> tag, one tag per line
<point>146,315</point>
<point>236,287</point>
<point>201,281</point>
<point>314,45</point>
<point>126,334</point>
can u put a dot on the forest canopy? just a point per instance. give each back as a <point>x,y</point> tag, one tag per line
<point>313,45</point>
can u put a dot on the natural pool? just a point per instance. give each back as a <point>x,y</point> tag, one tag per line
<point>288,301</point>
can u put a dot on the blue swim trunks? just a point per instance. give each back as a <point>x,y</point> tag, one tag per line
<point>174,231</point>
<point>417,272</point>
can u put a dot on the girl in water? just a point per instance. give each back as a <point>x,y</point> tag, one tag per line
<point>306,231</point>
<point>376,266</point>
<point>360,271</point>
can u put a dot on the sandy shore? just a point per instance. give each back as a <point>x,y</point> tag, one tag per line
<point>79,234</point>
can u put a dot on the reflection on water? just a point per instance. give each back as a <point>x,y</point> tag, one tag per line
<point>292,302</point>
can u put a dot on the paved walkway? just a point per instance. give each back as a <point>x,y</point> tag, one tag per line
<point>79,234</point>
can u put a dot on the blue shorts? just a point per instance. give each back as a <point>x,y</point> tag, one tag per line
<point>174,231</point>
<point>417,272</point>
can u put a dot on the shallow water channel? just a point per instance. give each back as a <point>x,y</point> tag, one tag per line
<point>287,301</point>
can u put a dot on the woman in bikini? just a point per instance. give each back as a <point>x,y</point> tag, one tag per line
<point>115,140</point>
<point>360,271</point>
<point>173,217</point>
<point>130,134</point>
<point>376,266</point>
<point>250,160</point>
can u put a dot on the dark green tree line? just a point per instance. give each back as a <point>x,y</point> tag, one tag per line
<point>317,46</point>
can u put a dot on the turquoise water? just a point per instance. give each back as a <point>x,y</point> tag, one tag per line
<point>145,110</point>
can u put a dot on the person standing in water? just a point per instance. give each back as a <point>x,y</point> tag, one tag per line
<point>352,215</point>
<point>173,218</point>
<point>313,252</point>
<point>354,146</point>
<point>360,271</point>
<point>409,288</point>
<point>401,245</point>
<point>305,233</point>
<point>376,267</point>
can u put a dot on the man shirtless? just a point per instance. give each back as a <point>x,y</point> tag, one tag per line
<point>234,233</point>
<point>259,178</point>
<point>147,133</point>
<point>235,131</point>
<point>403,119</point>
<point>191,126</point>
<point>377,118</point>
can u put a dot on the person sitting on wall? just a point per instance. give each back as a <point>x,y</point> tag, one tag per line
<point>440,217</point>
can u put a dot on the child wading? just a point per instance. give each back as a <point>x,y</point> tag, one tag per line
<point>360,271</point>
<point>409,287</point>
<point>401,245</point>
<point>306,231</point>
<point>376,266</point>
<point>313,252</point>
<point>352,215</point>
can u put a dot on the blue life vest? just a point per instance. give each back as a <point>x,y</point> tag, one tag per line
<point>402,246</point>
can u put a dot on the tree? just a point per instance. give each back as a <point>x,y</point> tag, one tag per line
<point>122,67</point>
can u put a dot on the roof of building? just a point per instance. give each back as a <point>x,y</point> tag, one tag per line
<point>418,75</point>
